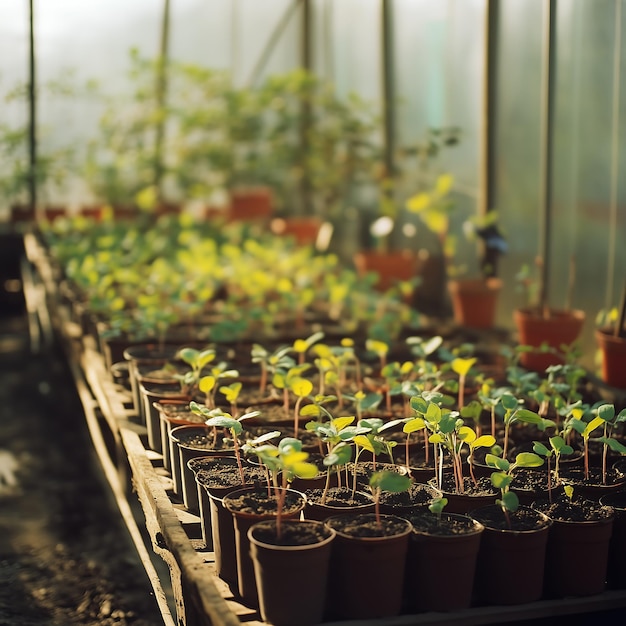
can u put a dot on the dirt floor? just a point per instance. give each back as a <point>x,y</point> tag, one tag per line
<point>65,555</point>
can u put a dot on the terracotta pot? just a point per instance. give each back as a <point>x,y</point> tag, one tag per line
<point>613,351</point>
<point>291,579</point>
<point>434,556</point>
<point>250,203</point>
<point>390,267</point>
<point>474,301</point>
<point>616,568</point>
<point>243,521</point>
<point>303,230</point>
<point>560,328</point>
<point>375,565</point>
<point>510,565</point>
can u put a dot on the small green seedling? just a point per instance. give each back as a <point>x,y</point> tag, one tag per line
<point>390,481</point>
<point>219,419</point>
<point>437,506</point>
<point>501,479</point>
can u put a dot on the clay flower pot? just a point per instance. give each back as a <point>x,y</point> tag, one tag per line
<point>557,329</point>
<point>613,351</point>
<point>475,301</point>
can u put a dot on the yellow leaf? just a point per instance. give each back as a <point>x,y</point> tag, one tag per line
<point>436,221</point>
<point>444,184</point>
<point>206,383</point>
<point>339,423</point>
<point>301,387</point>
<point>364,442</point>
<point>418,203</point>
<point>466,434</point>
<point>463,366</point>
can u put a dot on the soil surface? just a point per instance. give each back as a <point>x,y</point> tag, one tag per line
<point>65,555</point>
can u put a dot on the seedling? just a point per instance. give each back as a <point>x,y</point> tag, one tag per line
<point>301,346</point>
<point>508,501</point>
<point>462,368</point>
<point>514,412</point>
<point>285,462</point>
<point>219,419</point>
<point>336,434</point>
<point>557,448</point>
<point>437,506</point>
<point>606,412</point>
<point>386,480</point>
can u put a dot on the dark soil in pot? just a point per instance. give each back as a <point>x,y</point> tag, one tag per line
<point>594,486</point>
<point>216,473</point>
<point>262,502</point>
<point>292,534</point>
<point>365,469</point>
<point>418,495</point>
<point>338,497</point>
<point>524,519</point>
<point>424,521</point>
<point>366,525</point>
<point>575,509</point>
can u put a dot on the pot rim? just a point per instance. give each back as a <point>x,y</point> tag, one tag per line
<point>299,548</point>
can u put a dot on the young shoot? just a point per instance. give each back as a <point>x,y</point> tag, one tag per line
<point>287,460</point>
<point>437,506</point>
<point>501,479</point>
<point>389,481</point>
<point>462,367</point>
<point>217,418</point>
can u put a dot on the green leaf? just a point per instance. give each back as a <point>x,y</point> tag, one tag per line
<point>500,480</point>
<point>390,481</point>
<point>509,402</point>
<point>606,412</point>
<point>528,459</point>
<point>510,501</point>
<point>220,421</point>
<point>539,448</point>
<point>495,461</point>
<point>484,441</point>
<point>417,423</point>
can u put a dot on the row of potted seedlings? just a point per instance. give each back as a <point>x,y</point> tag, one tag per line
<point>430,442</point>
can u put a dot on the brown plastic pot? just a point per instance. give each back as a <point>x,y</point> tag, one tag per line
<point>291,579</point>
<point>367,573</point>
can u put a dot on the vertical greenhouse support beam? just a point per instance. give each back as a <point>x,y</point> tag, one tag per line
<point>488,117</point>
<point>305,61</point>
<point>161,99</point>
<point>546,150</point>
<point>615,121</point>
<point>32,114</point>
<point>388,88</point>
